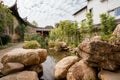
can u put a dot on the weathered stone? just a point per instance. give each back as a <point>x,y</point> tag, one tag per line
<point>117,30</point>
<point>80,71</point>
<point>100,54</point>
<point>1,66</point>
<point>25,56</point>
<point>63,65</point>
<point>25,75</point>
<point>107,75</point>
<point>12,68</point>
<point>96,47</point>
<point>36,68</point>
<point>96,38</point>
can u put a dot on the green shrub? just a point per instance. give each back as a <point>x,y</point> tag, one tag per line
<point>31,45</point>
<point>5,39</point>
<point>51,44</point>
<point>39,39</point>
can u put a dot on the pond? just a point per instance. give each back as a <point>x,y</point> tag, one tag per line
<point>49,64</point>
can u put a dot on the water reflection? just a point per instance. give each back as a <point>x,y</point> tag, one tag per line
<point>48,65</point>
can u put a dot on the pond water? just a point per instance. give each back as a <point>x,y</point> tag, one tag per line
<point>49,64</point>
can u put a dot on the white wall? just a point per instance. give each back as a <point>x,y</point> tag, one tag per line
<point>112,4</point>
<point>81,15</point>
<point>98,8</point>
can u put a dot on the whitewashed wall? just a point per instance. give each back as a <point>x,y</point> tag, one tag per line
<point>81,15</point>
<point>98,8</point>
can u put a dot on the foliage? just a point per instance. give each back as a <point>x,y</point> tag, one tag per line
<point>89,24</point>
<point>82,30</point>
<point>42,41</point>
<point>51,44</point>
<point>35,23</point>
<point>20,30</point>
<point>6,20</point>
<point>108,24</point>
<point>5,39</point>
<point>31,45</point>
<point>66,31</point>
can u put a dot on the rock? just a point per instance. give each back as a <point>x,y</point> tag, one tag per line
<point>36,68</point>
<point>61,46</point>
<point>96,47</point>
<point>117,30</point>
<point>107,75</point>
<point>96,38</point>
<point>1,66</point>
<point>25,56</point>
<point>11,68</point>
<point>115,39</point>
<point>24,75</point>
<point>80,71</point>
<point>100,54</point>
<point>63,65</point>
<point>42,53</point>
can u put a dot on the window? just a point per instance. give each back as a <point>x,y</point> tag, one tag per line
<point>83,20</point>
<point>91,10</point>
<point>117,11</point>
<point>112,12</point>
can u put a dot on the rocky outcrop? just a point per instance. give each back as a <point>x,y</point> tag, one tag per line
<point>21,59</point>
<point>12,68</point>
<point>24,75</point>
<point>25,56</point>
<point>36,68</point>
<point>117,30</point>
<point>100,54</point>
<point>80,71</point>
<point>61,46</point>
<point>115,39</point>
<point>107,75</point>
<point>63,65</point>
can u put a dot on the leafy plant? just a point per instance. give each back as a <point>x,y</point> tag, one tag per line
<point>89,24</point>
<point>5,39</point>
<point>108,24</point>
<point>66,31</point>
<point>31,45</point>
<point>20,30</point>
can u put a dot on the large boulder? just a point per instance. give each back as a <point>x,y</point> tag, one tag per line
<point>36,68</point>
<point>115,39</point>
<point>107,75</point>
<point>61,46</point>
<point>25,56</point>
<point>117,30</point>
<point>63,65</point>
<point>25,75</point>
<point>11,68</point>
<point>100,54</point>
<point>80,71</point>
<point>96,47</point>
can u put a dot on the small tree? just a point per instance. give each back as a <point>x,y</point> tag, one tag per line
<point>89,24</point>
<point>20,30</point>
<point>108,24</point>
<point>82,30</point>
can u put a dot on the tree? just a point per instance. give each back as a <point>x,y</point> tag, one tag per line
<point>6,20</point>
<point>66,31</point>
<point>35,23</point>
<point>108,24</point>
<point>89,23</point>
<point>20,30</point>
